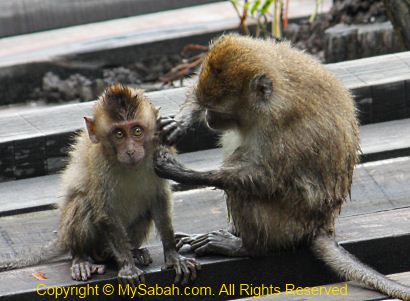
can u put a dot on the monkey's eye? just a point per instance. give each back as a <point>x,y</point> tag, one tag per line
<point>138,131</point>
<point>119,134</point>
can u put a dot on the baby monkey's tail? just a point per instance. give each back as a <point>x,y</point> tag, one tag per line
<point>25,259</point>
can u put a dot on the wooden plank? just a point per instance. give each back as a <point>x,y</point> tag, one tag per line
<point>381,185</point>
<point>137,30</point>
<point>383,140</point>
<point>52,129</point>
<point>20,17</point>
<point>346,291</point>
<point>380,239</point>
<point>41,193</point>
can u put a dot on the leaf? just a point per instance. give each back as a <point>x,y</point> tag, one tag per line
<point>255,7</point>
<point>266,6</point>
<point>39,276</point>
<point>247,6</point>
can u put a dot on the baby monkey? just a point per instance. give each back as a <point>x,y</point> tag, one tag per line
<point>112,194</point>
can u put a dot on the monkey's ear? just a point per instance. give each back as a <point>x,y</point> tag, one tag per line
<point>262,85</point>
<point>90,123</point>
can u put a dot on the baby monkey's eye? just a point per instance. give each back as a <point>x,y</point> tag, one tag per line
<point>118,134</point>
<point>138,131</point>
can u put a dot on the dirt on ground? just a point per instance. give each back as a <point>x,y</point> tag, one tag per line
<point>310,36</point>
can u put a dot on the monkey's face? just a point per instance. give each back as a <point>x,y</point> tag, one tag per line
<point>128,141</point>
<point>125,125</point>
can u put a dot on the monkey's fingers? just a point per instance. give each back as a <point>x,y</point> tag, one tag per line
<point>178,273</point>
<point>193,266</point>
<point>98,269</point>
<point>85,271</point>
<point>185,270</point>
<point>207,248</point>
<point>183,241</point>
<point>200,242</point>
<point>179,235</point>
<point>75,272</point>
<point>164,121</point>
<point>173,137</point>
<point>81,271</point>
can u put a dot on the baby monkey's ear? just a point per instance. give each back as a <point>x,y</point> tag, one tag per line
<point>90,123</point>
<point>261,85</point>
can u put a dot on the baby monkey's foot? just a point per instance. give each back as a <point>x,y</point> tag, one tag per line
<point>82,269</point>
<point>130,275</point>
<point>185,268</point>
<point>142,256</point>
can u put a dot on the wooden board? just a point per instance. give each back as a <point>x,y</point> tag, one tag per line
<point>22,16</point>
<point>101,36</point>
<point>381,239</point>
<point>50,130</point>
<point>373,184</point>
<point>346,291</point>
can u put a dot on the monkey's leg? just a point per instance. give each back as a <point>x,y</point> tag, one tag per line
<point>82,268</point>
<point>185,268</point>
<point>219,242</point>
<point>138,232</point>
<point>118,242</point>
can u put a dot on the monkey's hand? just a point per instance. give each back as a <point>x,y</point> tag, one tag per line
<point>130,274</point>
<point>81,270</point>
<point>165,164</point>
<point>185,268</point>
<point>171,130</point>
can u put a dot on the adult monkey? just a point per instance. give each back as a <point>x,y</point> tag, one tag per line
<point>290,140</point>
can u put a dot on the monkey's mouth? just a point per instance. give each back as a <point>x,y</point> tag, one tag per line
<point>219,121</point>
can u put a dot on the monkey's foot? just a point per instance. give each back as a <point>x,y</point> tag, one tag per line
<point>171,130</point>
<point>130,275</point>
<point>185,268</point>
<point>219,242</point>
<point>81,270</point>
<point>142,256</point>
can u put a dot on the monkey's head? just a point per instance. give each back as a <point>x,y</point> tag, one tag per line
<point>124,122</point>
<point>234,83</point>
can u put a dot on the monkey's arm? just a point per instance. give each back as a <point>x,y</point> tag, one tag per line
<point>185,268</point>
<point>167,166</point>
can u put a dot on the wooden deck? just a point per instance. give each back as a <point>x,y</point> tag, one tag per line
<point>34,143</point>
<point>23,16</point>
<point>374,224</point>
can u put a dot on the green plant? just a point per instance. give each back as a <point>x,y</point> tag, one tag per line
<point>268,14</point>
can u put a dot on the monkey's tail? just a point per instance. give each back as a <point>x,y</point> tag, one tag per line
<point>29,258</point>
<point>350,268</point>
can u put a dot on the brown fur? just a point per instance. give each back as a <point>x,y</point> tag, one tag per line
<point>110,205</point>
<point>303,141</point>
<point>290,140</point>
